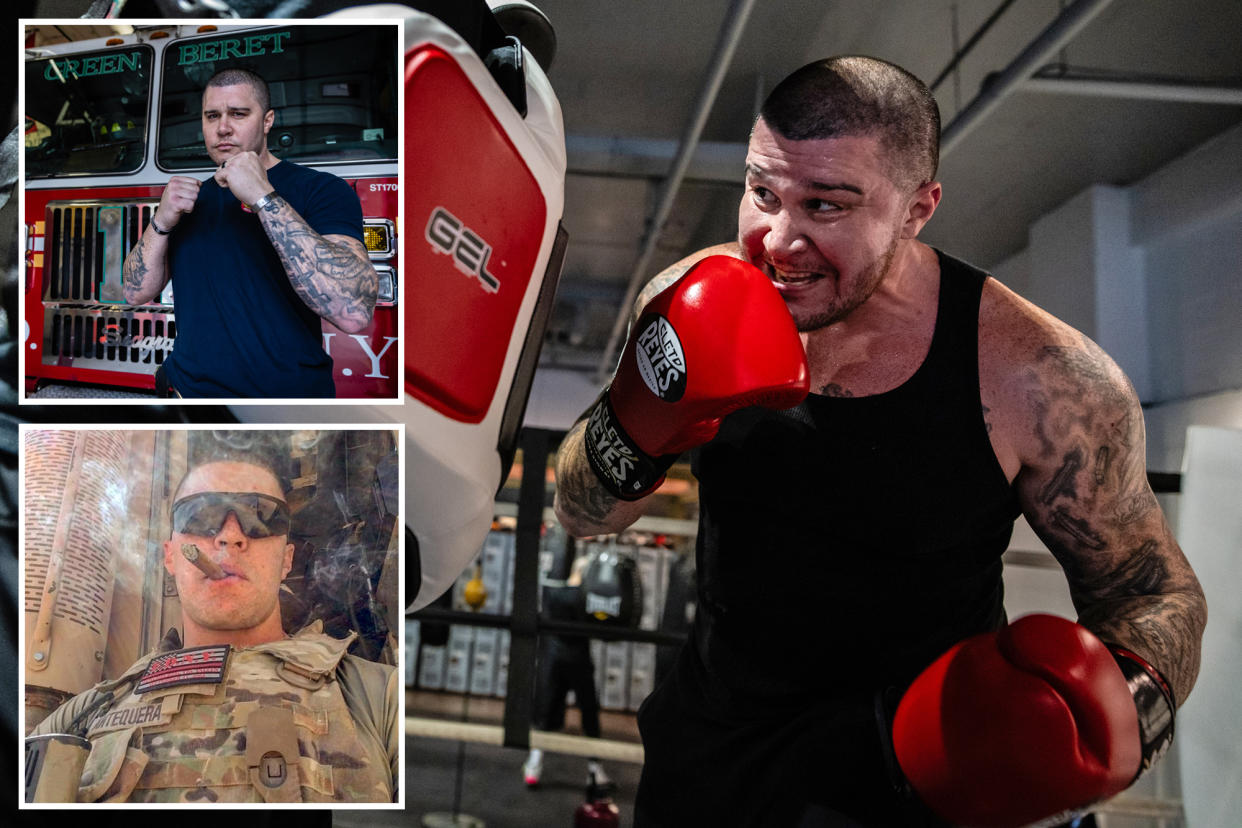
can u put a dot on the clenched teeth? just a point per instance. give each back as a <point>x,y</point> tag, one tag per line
<point>795,278</point>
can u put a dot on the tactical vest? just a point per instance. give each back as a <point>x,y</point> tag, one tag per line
<point>270,724</point>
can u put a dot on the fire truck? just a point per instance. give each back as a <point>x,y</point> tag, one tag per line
<point>109,120</point>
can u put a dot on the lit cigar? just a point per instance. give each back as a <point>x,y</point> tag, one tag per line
<point>208,567</point>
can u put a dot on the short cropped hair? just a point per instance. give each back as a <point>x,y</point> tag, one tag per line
<point>853,95</point>
<point>235,76</point>
<point>261,449</point>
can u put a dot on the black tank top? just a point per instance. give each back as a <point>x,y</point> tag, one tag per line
<point>845,543</point>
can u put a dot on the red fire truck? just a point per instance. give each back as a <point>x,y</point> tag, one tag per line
<point>108,121</point>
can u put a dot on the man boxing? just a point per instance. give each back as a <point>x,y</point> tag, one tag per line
<point>850,661</point>
<point>257,254</point>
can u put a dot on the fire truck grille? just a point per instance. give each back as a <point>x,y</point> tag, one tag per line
<point>135,341</point>
<point>86,246</point>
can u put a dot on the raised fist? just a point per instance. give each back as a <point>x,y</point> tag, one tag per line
<point>244,176</point>
<point>178,198</point>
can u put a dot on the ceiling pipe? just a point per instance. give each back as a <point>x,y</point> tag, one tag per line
<point>625,157</point>
<point>726,45</point>
<point>970,44</point>
<point>1038,52</point>
<point>1137,90</point>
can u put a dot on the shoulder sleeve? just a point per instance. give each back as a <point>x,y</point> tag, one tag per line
<point>393,729</point>
<point>63,716</point>
<point>372,693</point>
<point>331,207</point>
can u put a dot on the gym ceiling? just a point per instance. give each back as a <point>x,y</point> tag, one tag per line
<point>1077,93</point>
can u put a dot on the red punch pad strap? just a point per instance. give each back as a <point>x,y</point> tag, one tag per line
<point>475,219</point>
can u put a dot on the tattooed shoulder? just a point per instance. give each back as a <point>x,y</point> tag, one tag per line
<point>1079,389</point>
<point>1089,444</point>
<point>657,286</point>
<point>1086,362</point>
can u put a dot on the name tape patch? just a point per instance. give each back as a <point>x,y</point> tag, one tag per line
<point>197,665</point>
<point>126,717</point>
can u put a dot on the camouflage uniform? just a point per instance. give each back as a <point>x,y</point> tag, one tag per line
<point>294,720</point>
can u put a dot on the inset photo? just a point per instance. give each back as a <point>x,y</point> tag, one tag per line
<point>212,616</point>
<point>211,211</point>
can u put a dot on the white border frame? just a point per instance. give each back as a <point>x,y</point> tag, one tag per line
<point>22,241</point>
<point>23,430</point>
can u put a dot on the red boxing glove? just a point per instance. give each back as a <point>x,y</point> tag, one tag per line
<point>718,339</point>
<point>1017,726</point>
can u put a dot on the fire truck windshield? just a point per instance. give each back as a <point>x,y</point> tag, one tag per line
<point>333,89</point>
<point>87,113</point>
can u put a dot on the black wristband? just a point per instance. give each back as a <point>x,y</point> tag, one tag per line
<point>157,228</point>
<point>626,471</point>
<point>1154,701</point>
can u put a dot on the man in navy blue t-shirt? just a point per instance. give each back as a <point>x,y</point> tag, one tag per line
<point>257,254</point>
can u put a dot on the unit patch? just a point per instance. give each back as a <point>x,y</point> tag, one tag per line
<point>197,665</point>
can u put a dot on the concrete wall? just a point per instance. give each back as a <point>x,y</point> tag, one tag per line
<point>1211,534</point>
<point>1153,272</point>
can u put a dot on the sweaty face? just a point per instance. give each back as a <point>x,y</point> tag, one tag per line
<point>233,122</point>
<point>255,566</point>
<point>821,218</point>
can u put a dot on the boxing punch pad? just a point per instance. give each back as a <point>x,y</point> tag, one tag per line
<point>612,589</point>
<point>482,248</point>
<point>483,255</point>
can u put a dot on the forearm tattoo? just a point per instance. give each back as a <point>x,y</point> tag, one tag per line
<point>578,489</point>
<point>334,280</point>
<point>1134,605</point>
<point>1094,508</point>
<point>141,279</point>
<point>135,268</point>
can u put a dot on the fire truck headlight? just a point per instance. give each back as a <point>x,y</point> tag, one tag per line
<point>387,294</point>
<point>377,235</point>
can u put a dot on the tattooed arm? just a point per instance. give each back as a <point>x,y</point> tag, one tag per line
<point>145,271</point>
<point>332,274</point>
<point>1083,486</point>
<point>583,506</point>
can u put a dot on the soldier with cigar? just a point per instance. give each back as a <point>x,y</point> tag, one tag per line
<point>258,254</point>
<point>233,709</point>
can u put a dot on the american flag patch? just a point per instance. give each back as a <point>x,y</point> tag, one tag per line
<point>197,665</point>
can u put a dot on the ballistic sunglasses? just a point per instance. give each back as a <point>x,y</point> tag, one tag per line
<point>204,514</point>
